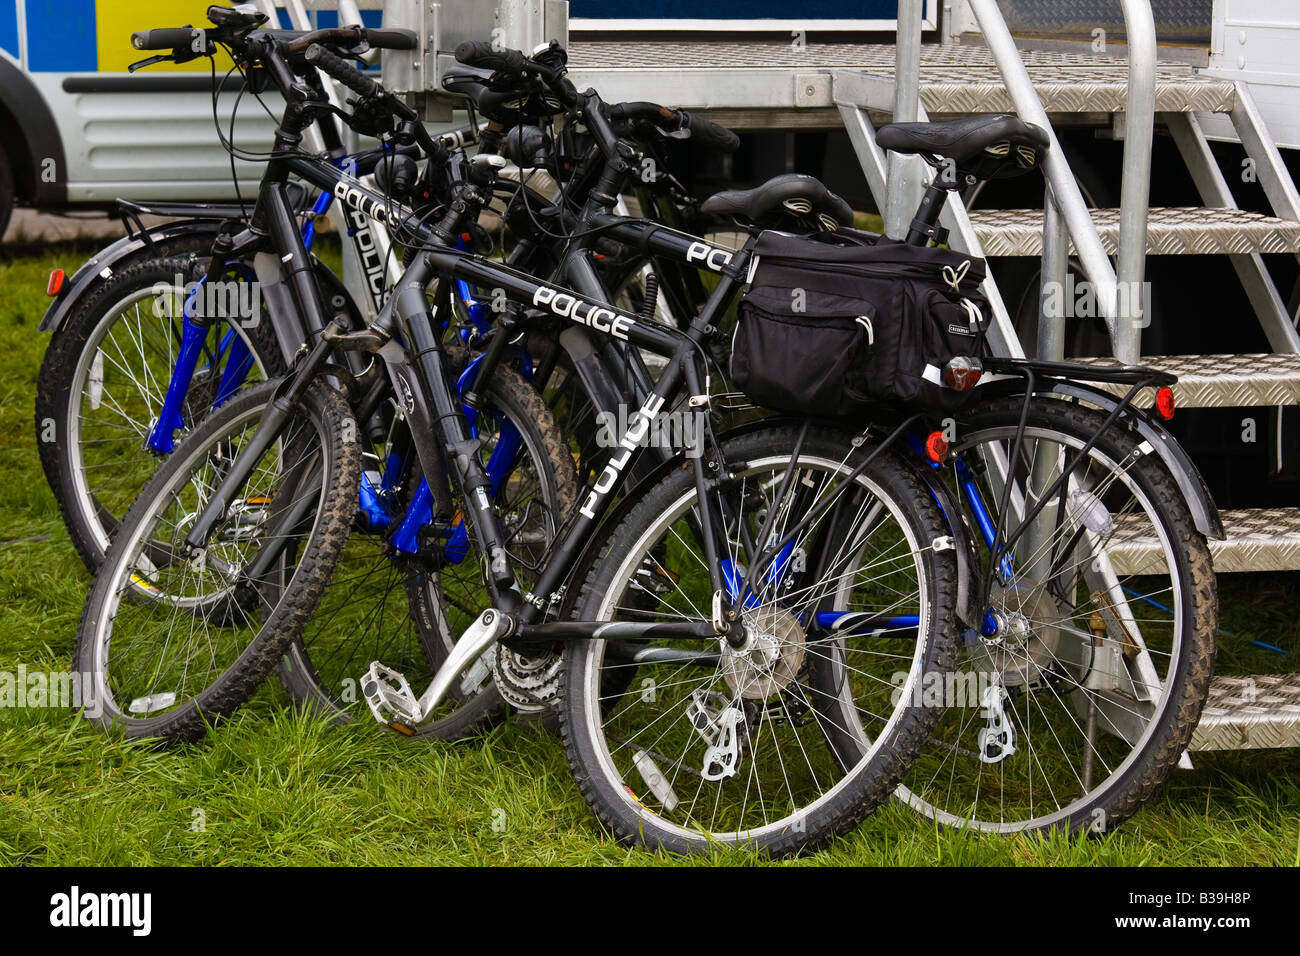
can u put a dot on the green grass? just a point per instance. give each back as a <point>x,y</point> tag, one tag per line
<point>274,787</point>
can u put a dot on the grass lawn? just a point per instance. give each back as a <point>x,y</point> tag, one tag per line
<point>273,787</point>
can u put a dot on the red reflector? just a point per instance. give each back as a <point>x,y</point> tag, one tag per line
<point>467,237</point>
<point>1165,402</point>
<point>962,372</point>
<point>55,285</point>
<point>936,447</point>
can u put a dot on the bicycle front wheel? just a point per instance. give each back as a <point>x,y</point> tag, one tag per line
<point>103,380</point>
<point>173,637</point>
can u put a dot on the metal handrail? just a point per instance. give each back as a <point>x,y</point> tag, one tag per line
<point>905,173</point>
<point>1139,124</point>
<point>1135,189</point>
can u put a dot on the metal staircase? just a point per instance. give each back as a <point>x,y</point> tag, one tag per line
<point>914,81</point>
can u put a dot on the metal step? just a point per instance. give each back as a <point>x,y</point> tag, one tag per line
<point>963,78</point>
<point>1171,231</point>
<point>955,77</point>
<point>1250,713</point>
<point>1224,381</point>
<point>1259,539</point>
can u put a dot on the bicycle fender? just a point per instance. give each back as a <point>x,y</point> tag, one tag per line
<point>962,544</point>
<point>1205,514</point>
<point>100,266</point>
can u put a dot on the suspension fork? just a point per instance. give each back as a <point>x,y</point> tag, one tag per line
<point>194,332</point>
<point>500,465</point>
<point>277,415</point>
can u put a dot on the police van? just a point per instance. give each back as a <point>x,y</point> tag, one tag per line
<point>77,129</point>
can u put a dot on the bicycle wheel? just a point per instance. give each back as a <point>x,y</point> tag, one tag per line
<point>709,745</point>
<point>1085,684</point>
<point>173,638</point>
<point>101,386</point>
<point>407,610</point>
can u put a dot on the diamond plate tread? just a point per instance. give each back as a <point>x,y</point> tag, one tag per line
<point>1223,381</point>
<point>955,77</point>
<point>1171,231</point>
<point>1259,539</point>
<point>1250,713</point>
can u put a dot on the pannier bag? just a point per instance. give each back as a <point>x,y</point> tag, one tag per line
<point>842,323</point>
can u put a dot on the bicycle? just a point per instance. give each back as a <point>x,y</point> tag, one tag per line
<point>306,504</point>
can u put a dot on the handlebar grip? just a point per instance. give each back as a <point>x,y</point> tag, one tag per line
<point>166,38</point>
<point>481,54</point>
<point>709,133</point>
<point>391,39</point>
<point>341,70</point>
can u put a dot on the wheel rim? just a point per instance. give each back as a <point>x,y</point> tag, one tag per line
<point>621,750</point>
<point>1058,760</point>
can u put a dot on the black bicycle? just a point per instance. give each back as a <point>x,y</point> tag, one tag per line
<point>723,733</point>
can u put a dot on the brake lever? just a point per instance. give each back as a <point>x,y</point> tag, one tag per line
<point>150,61</point>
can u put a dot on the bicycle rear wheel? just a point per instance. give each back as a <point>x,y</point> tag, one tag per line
<point>680,745</point>
<point>1082,689</point>
<point>173,637</point>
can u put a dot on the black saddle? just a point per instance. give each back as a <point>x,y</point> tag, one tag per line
<point>790,196</point>
<point>986,147</point>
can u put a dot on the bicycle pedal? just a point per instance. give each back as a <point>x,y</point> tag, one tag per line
<point>390,698</point>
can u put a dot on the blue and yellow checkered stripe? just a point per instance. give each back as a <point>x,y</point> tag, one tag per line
<point>87,36</point>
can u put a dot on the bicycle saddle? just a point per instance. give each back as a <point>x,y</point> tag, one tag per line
<point>792,194</point>
<point>988,147</point>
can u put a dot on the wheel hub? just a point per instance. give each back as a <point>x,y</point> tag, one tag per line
<point>769,658</point>
<point>1028,639</point>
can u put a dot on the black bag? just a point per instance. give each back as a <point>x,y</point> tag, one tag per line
<point>841,323</point>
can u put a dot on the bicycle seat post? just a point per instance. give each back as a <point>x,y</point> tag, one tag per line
<point>925,224</point>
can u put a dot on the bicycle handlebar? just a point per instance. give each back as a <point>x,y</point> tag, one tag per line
<point>707,132</point>
<point>485,56</point>
<point>347,36</point>
<point>341,70</point>
<point>167,38</point>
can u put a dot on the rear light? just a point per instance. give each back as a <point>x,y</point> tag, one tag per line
<point>936,447</point>
<point>1165,402</point>
<point>55,285</point>
<point>962,372</point>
